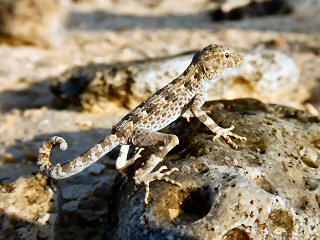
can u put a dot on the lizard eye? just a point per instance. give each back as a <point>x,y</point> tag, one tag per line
<point>227,55</point>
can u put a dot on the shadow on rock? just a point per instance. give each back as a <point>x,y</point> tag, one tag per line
<point>34,96</point>
<point>23,155</point>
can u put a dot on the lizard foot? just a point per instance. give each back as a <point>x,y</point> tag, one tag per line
<point>187,115</point>
<point>226,134</point>
<point>122,164</point>
<point>135,157</point>
<point>146,179</point>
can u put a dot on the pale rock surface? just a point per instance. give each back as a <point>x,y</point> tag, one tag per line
<point>28,209</point>
<point>35,22</point>
<point>267,75</point>
<point>285,6</point>
<point>96,85</point>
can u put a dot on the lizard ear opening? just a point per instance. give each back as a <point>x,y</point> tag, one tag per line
<point>207,72</point>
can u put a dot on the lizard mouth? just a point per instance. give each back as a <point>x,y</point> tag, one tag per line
<point>236,60</point>
<point>239,59</point>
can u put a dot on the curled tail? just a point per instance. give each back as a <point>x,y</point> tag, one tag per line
<point>76,165</point>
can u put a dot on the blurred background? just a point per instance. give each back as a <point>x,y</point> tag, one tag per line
<point>74,68</point>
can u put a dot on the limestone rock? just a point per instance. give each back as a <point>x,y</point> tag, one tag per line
<point>267,189</point>
<point>305,8</point>
<point>27,209</point>
<point>36,22</point>
<point>267,75</point>
<point>93,87</point>
<point>84,206</point>
<point>239,9</point>
<point>77,209</point>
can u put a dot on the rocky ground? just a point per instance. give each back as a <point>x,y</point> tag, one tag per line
<point>109,32</point>
<point>267,189</point>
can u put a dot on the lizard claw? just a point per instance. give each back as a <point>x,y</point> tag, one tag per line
<point>146,179</point>
<point>226,134</point>
<point>135,157</point>
<point>187,115</point>
<point>138,155</point>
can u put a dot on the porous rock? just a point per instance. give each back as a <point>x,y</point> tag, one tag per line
<point>32,22</point>
<point>266,189</point>
<point>95,86</point>
<point>27,209</point>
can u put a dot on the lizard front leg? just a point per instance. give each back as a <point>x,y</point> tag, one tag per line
<point>165,142</point>
<point>215,128</point>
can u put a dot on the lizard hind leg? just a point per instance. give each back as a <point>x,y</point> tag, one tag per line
<point>165,142</point>
<point>122,163</point>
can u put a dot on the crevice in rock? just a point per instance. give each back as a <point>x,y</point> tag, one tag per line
<point>263,183</point>
<point>317,197</point>
<point>196,205</point>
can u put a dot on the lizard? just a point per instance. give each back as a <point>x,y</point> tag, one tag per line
<point>185,94</point>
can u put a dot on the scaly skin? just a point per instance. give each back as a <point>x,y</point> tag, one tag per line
<point>188,92</point>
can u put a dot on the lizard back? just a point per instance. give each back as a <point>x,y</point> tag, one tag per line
<point>167,104</point>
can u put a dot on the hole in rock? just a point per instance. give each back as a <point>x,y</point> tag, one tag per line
<point>236,233</point>
<point>281,221</point>
<point>264,184</point>
<point>309,161</point>
<point>311,184</point>
<point>195,205</point>
<point>317,196</point>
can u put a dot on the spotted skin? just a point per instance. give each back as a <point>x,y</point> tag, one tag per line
<point>188,92</point>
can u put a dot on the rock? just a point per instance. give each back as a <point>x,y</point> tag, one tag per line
<point>239,9</point>
<point>95,86</point>
<point>84,209</point>
<point>267,189</point>
<point>267,75</point>
<point>97,168</point>
<point>35,22</point>
<point>131,30</point>
<point>28,209</point>
<point>305,8</point>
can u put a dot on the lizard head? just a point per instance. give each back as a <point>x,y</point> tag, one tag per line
<point>215,58</point>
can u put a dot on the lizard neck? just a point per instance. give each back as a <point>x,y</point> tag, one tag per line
<point>211,76</point>
<point>196,75</point>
